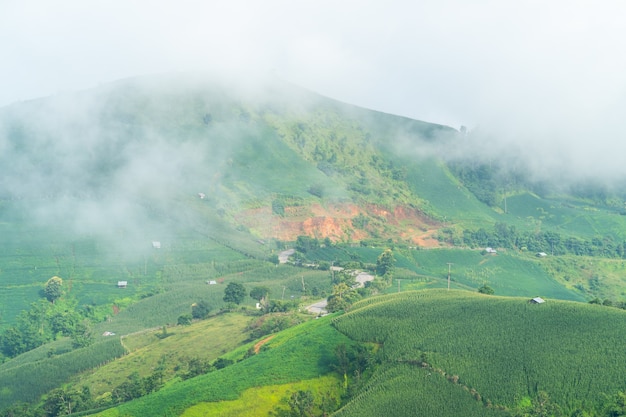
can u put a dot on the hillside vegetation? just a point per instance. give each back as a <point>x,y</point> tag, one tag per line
<point>497,352</point>
<point>126,208</point>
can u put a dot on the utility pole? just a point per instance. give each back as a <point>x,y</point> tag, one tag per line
<point>449,264</point>
<point>398,284</point>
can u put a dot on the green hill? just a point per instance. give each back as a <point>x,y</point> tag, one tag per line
<point>181,184</point>
<point>494,351</point>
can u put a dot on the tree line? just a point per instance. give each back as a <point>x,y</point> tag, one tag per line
<point>47,319</point>
<point>507,236</point>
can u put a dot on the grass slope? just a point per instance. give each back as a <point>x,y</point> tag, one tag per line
<point>300,353</point>
<point>501,348</point>
<point>261,401</point>
<point>206,340</point>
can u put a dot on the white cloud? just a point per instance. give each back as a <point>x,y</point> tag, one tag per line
<point>546,74</point>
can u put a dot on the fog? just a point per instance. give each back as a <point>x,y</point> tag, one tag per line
<point>539,85</point>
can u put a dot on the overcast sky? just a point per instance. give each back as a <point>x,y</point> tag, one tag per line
<point>551,73</point>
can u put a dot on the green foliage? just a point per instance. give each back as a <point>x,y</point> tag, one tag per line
<point>480,179</point>
<point>272,323</point>
<point>278,207</point>
<point>62,401</point>
<point>135,387</point>
<point>385,264</point>
<point>550,242</point>
<point>305,244</point>
<point>259,292</point>
<point>360,221</point>
<point>40,324</point>
<point>342,297</point>
<point>197,366</point>
<point>53,289</point>
<point>301,404</point>
<point>184,319</point>
<point>486,289</point>
<point>83,335</point>
<point>235,292</point>
<point>317,190</point>
<point>201,309</point>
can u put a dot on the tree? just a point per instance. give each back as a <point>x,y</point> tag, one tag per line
<point>200,310</point>
<point>301,403</point>
<point>306,244</point>
<point>184,319</point>
<point>83,334</point>
<point>54,289</point>
<point>385,263</point>
<point>274,259</point>
<point>235,293</point>
<point>258,293</point>
<point>486,289</point>
<point>197,366</point>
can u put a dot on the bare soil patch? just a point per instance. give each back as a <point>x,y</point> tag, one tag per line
<point>334,221</point>
<point>257,346</point>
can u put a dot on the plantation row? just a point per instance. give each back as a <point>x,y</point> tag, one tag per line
<point>28,381</point>
<point>409,390</point>
<point>500,347</point>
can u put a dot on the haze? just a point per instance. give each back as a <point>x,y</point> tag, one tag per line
<point>536,79</point>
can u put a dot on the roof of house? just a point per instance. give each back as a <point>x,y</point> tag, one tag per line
<point>538,300</point>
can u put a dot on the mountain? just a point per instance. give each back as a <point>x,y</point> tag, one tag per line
<point>149,196</point>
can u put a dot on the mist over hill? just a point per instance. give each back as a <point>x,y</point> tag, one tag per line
<point>135,155</point>
<point>174,184</point>
<point>113,157</point>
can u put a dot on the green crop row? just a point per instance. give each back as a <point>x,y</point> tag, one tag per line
<point>501,347</point>
<point>28,381</point>
<point>408,390</point>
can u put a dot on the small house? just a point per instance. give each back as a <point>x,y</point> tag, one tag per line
<point>490,250</point>
<point>211,282</point>
<point>537,300</point>
<point>156,245</point>
<point>122,284</point>
<point>541,254</point>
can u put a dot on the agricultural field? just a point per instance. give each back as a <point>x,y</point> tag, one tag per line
<point>500,348</point>
<point>432,181</point>
<point>574,218</point>
<point>409,390</point>
<point>181,187</point>
<point>26,378</point>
